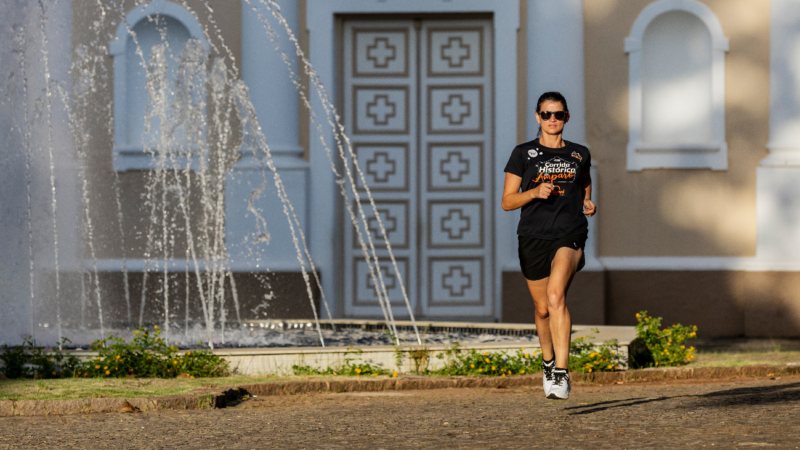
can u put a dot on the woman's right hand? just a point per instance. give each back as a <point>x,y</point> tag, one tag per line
<point>542,191</point>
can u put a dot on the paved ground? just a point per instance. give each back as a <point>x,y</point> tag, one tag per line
<point>718,414</point>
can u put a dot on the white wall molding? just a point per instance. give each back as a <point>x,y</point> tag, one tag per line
<point>685,264</point>
<point>697,263</point>
<point>784,108</point>
<point>778,175</point>
<point>179,266</point>
<point>711,154</point>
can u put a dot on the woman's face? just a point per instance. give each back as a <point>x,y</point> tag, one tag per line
<point>552,126</point>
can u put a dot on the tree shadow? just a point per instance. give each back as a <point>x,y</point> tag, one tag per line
<point>757,395</point>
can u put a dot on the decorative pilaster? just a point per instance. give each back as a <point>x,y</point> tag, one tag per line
<point>778,176</point>
<point>277,105</point>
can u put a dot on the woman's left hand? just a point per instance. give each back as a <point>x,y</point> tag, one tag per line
<point>589,208</point>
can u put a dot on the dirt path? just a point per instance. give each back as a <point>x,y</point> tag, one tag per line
<point>715,414</point>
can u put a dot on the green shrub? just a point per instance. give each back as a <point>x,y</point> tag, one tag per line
<point>655,347</point>
<point>348,368</point>
<point>32,361</point>
<point>584,357</point>
<point>147,355</point>
<point>473,362</point>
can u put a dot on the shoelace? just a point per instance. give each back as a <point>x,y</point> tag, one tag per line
<point>548,372</point>
<point>559,377</point>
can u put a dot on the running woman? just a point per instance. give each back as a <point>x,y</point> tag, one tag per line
<point>548,178</point>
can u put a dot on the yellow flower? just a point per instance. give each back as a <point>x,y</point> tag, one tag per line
<point>480,370</point>
<point>136,332</point>
<point>130,370</point>
<point>472,365</point>
<point>637,315</point>
<point>97,366</point>
<point>117,356</point>
<point>526,355</point>
<point>523,348</point>
<point>191,376</point>
<point>522,371</point>
<point>656,362</point>
<point>374,374</point>
<point>487,360</point>
<point>358,370</point>
<point>85,373</point>
<point>486,354</point>
<point>105,368</point>
<point>504,374</point>
<point>116,368</point>
<point>683,346</point>
<point>188,353</point>
<point>174,362</point>
<point>149,357</point>
<point>155,327</point>
<point>54,373</point>
<point>590,369</point>
<point>394,373</point>
<point>108,372</point>
<point>493,368</point>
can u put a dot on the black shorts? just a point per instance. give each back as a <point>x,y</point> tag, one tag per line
<point>536,255</point>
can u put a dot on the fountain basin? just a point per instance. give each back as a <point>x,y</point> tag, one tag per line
<point>483,337</point>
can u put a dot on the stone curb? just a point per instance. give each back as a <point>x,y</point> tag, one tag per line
<point>231,396</point>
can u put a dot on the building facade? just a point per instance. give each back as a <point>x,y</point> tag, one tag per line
<point>689,107</point>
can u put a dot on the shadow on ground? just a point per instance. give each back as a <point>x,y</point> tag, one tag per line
<point>759,395</point>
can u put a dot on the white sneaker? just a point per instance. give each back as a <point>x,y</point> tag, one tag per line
<point>560,388</point>
<point>547,377</point>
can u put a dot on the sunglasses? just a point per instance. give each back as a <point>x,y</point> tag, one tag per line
<point>560,115</point>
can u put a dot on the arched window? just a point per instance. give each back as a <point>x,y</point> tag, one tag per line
<point>677,88</point>
<point>157,23</point>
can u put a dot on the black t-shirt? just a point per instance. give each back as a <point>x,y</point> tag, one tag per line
<point>561,214</point>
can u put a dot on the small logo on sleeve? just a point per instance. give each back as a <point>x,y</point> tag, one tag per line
<point>578,156</point>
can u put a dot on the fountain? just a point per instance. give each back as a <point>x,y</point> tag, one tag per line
<point>116,212</point>
<point>198,121</point>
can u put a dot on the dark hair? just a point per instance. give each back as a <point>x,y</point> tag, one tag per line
<point>550,96</point>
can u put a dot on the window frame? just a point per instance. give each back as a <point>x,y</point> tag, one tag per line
<point>712,154</point>
<point>128,156</point>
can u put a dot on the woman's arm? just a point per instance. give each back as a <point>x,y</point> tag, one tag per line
<point>589,208</point>
<point>513,199</point>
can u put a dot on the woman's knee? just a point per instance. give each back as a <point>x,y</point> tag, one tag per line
<point>555,300</point>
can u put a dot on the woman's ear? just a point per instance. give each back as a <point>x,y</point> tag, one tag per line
<point>566,119</point>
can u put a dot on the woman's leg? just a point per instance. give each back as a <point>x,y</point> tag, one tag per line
<point>538,291</point>
<point>565,263</point>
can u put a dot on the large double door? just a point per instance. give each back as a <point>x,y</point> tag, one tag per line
<point>417,104</point>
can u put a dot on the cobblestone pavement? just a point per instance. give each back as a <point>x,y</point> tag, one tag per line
<point>714,414</point>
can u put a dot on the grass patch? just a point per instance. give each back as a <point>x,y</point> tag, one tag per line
<point>75,388</point>
<point>725,359</point>
<point>78,388</point>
